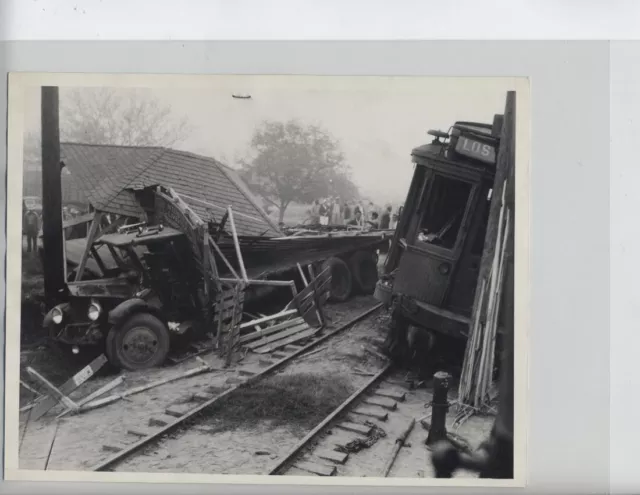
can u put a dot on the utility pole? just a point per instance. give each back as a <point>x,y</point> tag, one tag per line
<point>53,259</point>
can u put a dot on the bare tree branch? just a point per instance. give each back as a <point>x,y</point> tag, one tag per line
<point>128,117</point>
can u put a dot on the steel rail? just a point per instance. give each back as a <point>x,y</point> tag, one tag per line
<point>318,429</point>
<point>121,455</point>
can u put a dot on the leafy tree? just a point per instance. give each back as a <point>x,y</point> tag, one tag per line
<point>291,162</point>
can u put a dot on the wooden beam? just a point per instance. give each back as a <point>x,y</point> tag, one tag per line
<point>52,389</point>
<point>69,386</point>
<point>54,261</point>
<point>236,244</point>
<point>95,224</point>
<point>87,217</point>
<point>224,259</point>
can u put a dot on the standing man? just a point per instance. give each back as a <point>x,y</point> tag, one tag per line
<point>385,220</point>
<point>31,222</point>
<point>347,211</point>
<point>315,213</point>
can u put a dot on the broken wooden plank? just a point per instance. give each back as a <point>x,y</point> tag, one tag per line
<point>265,319</point>
<point>143,388</point>
<point>279,355</point>
<point>29,388</point>
<point>372,413</point>
<point>69,386</point>
<point>382,402</point>
<point>101,391</point>
<point>392,394</point>
<point>285,342</point>
<point>269,330</point>
<point>52,389</point>
<point>355,427</point>
<point>319,469</point>
<point>280,335</point>
<point>333,456</point>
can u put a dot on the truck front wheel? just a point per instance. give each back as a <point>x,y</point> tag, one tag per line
<point>141,342</point>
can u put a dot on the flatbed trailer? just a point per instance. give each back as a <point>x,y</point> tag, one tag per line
<point>132,286</point>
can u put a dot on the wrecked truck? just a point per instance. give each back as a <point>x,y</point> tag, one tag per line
<point>433,264</point>
<point>135,288</point>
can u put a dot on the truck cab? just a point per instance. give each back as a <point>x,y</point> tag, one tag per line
<point>433,264</point>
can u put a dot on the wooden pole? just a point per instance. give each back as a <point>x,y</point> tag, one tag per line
<point>95,225</point>
<point>236,243</point>
<point>54,263</point>
<point>504,164</point>
<point>400,441</point>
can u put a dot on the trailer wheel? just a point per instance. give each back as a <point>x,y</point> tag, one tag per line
<point>365,271</point>
<point>141,342</point>
<point>341,279</point>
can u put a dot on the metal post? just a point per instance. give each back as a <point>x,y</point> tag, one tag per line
<point>54,263</point>
<point>439,408</point>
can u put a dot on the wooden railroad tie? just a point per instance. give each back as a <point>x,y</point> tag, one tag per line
<point>355,427</point>
<point>372,413</point>
<point>319,469</point>
<point>389,404</point>
<point>333,456</point>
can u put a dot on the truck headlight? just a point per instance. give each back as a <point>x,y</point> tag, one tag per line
<point>57,315</point>
<point>94,311</point>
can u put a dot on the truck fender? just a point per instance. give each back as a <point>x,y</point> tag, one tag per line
<point>135,305</point>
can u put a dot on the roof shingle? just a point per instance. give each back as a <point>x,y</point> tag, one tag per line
<point>107,173</point>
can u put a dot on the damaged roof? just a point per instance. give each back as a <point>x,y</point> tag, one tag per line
<point>108,174</point>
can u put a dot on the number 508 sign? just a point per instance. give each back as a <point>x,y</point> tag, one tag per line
<point>476,150</point>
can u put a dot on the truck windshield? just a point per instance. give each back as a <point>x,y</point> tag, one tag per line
<point>444,211</point>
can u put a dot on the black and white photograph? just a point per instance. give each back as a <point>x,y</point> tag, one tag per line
<point>291,279</point>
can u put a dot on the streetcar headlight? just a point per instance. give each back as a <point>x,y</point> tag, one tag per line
<point>57,315</point>
<point>94,311</point>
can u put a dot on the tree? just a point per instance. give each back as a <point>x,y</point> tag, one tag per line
<point>126,117</point>
<point>291,162</point>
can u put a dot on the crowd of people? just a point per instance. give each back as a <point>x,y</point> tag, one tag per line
<point>335,211</point>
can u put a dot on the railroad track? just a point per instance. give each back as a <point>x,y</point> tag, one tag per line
<point>177,415</point>
<point>359,423</point>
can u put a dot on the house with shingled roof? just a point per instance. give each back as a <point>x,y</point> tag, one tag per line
<point>108,176</point>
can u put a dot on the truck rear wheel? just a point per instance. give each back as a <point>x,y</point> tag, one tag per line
<point>341,279</point>
<point>365,271</point>
<point>141,342</point>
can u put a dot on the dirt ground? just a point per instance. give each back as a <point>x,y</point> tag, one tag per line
<point>227,445</point>
<point>79,439</point>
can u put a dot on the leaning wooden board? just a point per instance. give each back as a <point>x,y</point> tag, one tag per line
<point>69,386</point>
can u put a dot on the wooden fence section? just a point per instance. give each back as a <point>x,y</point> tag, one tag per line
<point>310,301</point>
<point>229,310</point>
<point>293,326</point>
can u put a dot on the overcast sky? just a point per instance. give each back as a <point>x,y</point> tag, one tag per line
<point>377,120</point>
